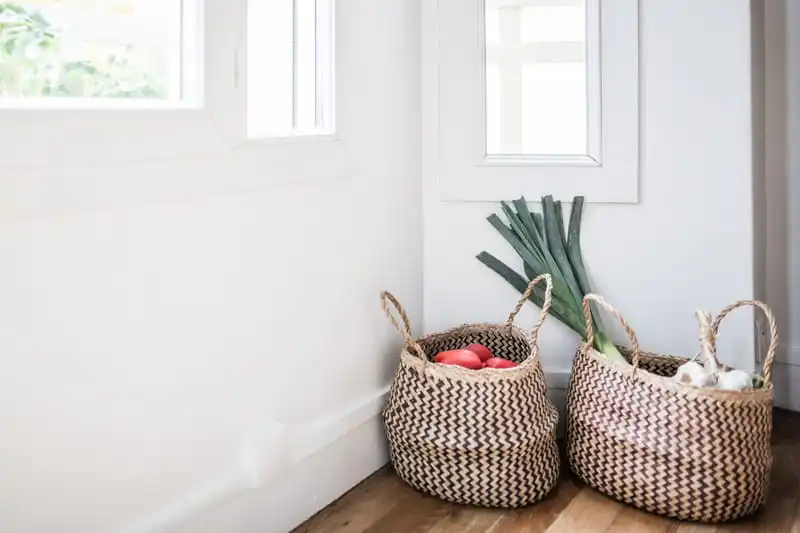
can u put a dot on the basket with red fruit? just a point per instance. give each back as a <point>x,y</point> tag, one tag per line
<point>468,418</point>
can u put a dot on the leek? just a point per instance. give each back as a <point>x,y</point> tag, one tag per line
<point>544,247</point>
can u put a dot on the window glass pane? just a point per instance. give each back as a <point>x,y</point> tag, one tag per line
<point>552,24</point>
<point>125,49</point>
<point>536,77</point>
<point>305,65</point>
<point>289,67</point>
<point>270,67</point>
<point>492,28</point>
<point>554,108</point>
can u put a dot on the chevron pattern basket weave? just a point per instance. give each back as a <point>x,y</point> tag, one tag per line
<point>693,454</point>
<point>478,437</point>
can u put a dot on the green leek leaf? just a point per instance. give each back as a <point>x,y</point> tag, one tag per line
<point>554,242</point>
<point>519,228</point>
<point>574,245</point>
<point>563,312</point>
<point>535,266</point>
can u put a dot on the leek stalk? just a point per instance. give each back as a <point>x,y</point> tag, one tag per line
<point>544,247</point>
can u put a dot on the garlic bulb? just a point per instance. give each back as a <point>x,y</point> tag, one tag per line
<point>693,373</point>
<point>734,380</point>
<point>710,373</point>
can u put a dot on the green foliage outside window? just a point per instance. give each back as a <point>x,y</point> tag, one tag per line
<point>31,65</point>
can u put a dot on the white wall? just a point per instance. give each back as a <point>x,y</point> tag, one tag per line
<point>689,241</point>
<point>141,344</point>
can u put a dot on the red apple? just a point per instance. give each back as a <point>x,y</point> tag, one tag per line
<point>481,351</point>
<point>464,358</point>
<point>499,362</point>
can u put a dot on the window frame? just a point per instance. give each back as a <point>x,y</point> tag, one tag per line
<point>324,76</point>
<point>455,111</point>
<point>145,136</point>
<point>591,52</point>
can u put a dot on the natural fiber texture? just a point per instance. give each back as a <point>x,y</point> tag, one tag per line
<point>479,437</point>
<point>665,447</point>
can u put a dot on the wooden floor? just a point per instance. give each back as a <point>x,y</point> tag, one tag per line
<point>384,504</point>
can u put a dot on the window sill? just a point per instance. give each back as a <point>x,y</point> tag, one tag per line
<point>117,105</point>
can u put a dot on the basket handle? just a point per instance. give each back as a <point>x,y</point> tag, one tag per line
<point>403,325</point>
<point>548,299</point>
<point>587,312</point>
<point>773,331</point>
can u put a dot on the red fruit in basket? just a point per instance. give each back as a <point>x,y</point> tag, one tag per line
<point>481,351</point>
<point>464,358</point>
<point>441,356</point>
<point>499,362</point>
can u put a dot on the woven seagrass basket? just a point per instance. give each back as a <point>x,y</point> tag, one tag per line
<point>689,453</point>
<point>477,437</point>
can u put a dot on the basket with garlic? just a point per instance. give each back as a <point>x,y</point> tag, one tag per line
<point>705,369</point>
<point>685,438</point>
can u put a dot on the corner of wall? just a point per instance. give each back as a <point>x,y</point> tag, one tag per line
<point>759,199</point>
<point>779,261</point>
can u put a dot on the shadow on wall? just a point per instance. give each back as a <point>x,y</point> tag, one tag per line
<point>782,194</point>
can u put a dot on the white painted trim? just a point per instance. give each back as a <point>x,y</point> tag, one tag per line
<point>454,124</point>
<point>55,103</point>
<point>206,496</point>
<point>225,85</point>
<point>265,452</point>
<point>299,442</point>
<point>497,161</point>
<point>536,3</point>
<point>788,355</point>
<point>594,82</point>
<point>786,378</point>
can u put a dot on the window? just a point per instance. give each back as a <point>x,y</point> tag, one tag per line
<point>532,97</point>
<point>88,53</point>
<point>289,67</point>
<point>137,80</point>
<point>120,53</point>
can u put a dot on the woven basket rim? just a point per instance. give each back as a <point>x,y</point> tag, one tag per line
<point>464,374</point>
<point>667,384</point>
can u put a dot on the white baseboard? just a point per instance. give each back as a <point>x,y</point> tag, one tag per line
<point>786,379</point>
<point>275,453</point>
<point>300,491</point>
<point>789,355</point>
<point>267,453</point>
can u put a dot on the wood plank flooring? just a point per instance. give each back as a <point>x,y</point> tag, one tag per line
<point>384,504</point>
